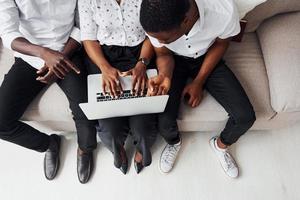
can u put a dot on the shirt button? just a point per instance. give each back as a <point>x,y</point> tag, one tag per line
<point>189,46</point>
<point>186,38</point>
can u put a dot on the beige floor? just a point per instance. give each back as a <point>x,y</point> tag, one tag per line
<point>269,162</point>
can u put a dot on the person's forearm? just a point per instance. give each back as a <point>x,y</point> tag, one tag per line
<point>147,50</point>
<point>70,47</point>
<point>95,53</point>
<point>23,46</point>
<point>165,62</point>
<point>165,65</point>
<point>212,58</point>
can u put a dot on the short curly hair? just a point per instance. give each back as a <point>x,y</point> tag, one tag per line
<point>163,15</point>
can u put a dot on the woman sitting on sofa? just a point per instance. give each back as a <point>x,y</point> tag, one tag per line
<point>116,45</point>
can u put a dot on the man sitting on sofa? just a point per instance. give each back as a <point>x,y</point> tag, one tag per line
<point>45,42</point>
<point>198,32</point>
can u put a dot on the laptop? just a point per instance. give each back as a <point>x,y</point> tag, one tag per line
<point>101,105</point>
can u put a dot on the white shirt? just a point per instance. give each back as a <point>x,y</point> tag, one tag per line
<point>48,23</point>
<point>218,19</point>
<point>111,23</point>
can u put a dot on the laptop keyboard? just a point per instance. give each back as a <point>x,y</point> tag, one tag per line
<point>126,95</point>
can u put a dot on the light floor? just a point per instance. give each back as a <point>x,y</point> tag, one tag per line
<point>269,162</point>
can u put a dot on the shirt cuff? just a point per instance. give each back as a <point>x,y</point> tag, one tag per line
<point>88,37</point>
<point>155,42</point>
<point>75,34</point>
<point>8,38</point>
<point>235,32</point>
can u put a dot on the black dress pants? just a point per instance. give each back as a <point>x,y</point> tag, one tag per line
<point>222,85</point>
<point>20,88</point>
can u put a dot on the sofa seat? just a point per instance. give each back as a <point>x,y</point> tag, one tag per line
<point>245,59</point>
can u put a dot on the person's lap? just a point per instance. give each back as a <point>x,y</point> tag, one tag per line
<point>221,84</point>
<point>18,90</point>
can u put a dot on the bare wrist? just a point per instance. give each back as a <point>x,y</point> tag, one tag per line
<point>199,82</point>
<point>104,67</point>
<point>42,52</point>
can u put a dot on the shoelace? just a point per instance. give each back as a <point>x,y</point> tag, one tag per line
<point>229,162</point>
<point>171,154</point>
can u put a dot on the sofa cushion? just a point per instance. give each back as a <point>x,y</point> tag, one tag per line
<point>245,60</point>
<point>280,43</point>
<point>269,9</point>
<point>244,6</point>
<point>50,105</point>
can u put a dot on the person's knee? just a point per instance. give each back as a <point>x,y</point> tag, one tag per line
<point>146,128</point>
<point>6,125</point>
<point>111,127</point>
<point>246,117</point>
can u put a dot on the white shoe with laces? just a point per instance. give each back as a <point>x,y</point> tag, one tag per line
<point>227,162</point>
<point>168,157</point>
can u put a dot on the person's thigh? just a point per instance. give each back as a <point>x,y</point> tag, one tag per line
<point>18,90</point>
<point>75,85</point>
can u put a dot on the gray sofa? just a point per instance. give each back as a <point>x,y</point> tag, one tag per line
<point>267,63</point>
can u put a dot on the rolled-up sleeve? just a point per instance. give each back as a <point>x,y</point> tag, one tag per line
<point>88,27</point>
<point>9,22</point>
<point>75,34</point>
<point>154,42</point>
<point>232,27</point>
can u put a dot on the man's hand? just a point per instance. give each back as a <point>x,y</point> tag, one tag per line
<point>58,63</point>
<point>110,80</point>
<point>139,78</point>
<point>46,76</point>
<point>194,91</point>
<point>158,85</point>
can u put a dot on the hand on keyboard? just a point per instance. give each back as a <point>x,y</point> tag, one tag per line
<point>111,82</point>
<point>139,78</point>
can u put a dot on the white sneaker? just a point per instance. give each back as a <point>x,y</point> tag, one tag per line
<point>227,162</point>
<point>168,157</point>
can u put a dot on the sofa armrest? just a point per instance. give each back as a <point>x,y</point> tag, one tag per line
<point>280,44</point>
<point>269,9</point>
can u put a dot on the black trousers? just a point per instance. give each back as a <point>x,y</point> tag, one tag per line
<point>114,131</point>
<point>19,89</point>
<point>222,85</point>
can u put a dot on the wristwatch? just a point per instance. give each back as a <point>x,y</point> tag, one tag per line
<point>145,61</point>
